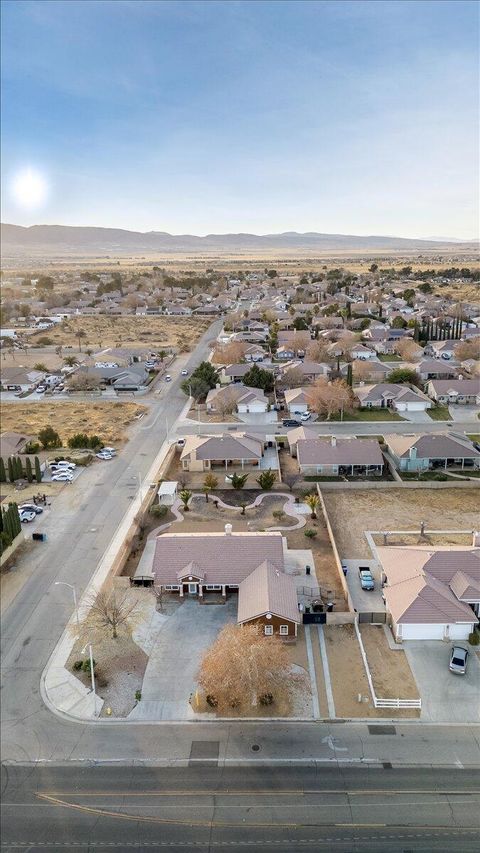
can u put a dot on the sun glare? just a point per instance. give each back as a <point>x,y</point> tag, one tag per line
<point>29,189</point>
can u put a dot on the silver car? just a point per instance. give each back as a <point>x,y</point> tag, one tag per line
<point>458,660</point>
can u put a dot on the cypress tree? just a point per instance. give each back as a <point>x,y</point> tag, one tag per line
<point>28,469</point>
<point>16,515</point>
<point>3,474</point>
<point>38,471</point>
<point>8,524</point>
<point>350,376</point>
<point>11,472</point>
<point>18,468</point>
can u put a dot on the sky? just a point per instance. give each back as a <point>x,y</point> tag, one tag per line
<point>214,117</point>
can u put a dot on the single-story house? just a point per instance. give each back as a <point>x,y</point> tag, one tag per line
<point>296,400</point>
<point>250,565</point>
<point>285,352</point>
<point>254,353</point>
<point>236,397</point>
<point>362,352</point>
<point>454,391</point>
<point>14,378</point>
<point>421,452</point>
<point>299,434</point>
<point>232,449</point>
<point>431,594</point>
<point>388,395</point>
<point>236,372</point>
<point>333,457</point>
<point>432,368</point>
<point>372,369</point>
<point>311,370</point>
<point>441,349</point>
<point>13,444</point>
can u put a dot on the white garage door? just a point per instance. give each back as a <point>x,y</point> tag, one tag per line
<point>435,632</point>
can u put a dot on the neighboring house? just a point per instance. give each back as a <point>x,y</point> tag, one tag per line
<point>299,434</point>
<point>285,352</point>
<point>250,565</point>
<point>296,401</point>
<point>399,397</point>
<point>361,352</point>
<point>334,457</point>
<point>431,594</point>
<point>132,378</point>
<point>13,444</point>
<point>378,371</point>
<point>231,450</point>
<point>441,349</point>
<point>311,369</point>
<point>13,378</point>
<point>431,368</point>
<point>236,397</point>
<point>454,391</point>
<point>421,452</point>
<point>236,372</point>
<point>385,339</point>
<point>254,353</point>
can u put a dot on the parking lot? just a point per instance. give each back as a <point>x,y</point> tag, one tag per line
<point>364,601</point>
<point>446,697</point>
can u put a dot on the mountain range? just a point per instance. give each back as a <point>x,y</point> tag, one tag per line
<point>88,241</point>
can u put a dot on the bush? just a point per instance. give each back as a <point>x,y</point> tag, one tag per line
<point>45,341</point>
<point>86,665</point>
<point>84,460</point>
<point>474,638</point>
<point>158,510</point>
<point>210,700</point>
<point>32,447</point>
<point>48,437</point>
<point>82,440</point>
<point>310,534</point>
<point>78,665</point>
<point>138,695</point>
<point>266,699</point>
<point>278,513</point>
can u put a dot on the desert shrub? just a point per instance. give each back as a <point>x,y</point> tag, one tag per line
<point>84,460</point>
<point>78,665</point>
<point>210,700</point>
<point>138,695</point>
<point>310,534</point>
<point>158,510</point>
<point>81,440</point>
<point>266,699</point>
<point>32,447</point>
<point>86,665</point>
<point>45,341</point>
<point>278,513</point>
<point>474,638</point>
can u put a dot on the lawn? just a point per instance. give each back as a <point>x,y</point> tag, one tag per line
<point>474,437</point>
<point>389,357</point>
<point>101,331</point>
<point>108,420</point>
<point>370,415</point>
<point>439,413</point>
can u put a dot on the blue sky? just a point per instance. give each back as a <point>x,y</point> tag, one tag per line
<point>341,117</point>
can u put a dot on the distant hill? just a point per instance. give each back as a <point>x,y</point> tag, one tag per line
<point>46,240</point>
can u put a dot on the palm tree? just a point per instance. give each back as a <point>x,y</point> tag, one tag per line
<point>185,496</point>
<point>238,480</point>
<point>79,334</point>
<point>312,502</point>
<point>70,360</point>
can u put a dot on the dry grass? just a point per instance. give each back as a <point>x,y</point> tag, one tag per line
<point>108,420</point>
<point>389,668</point>
<point>9,491</point>
<point>353,512</point>
<point>101,331</point>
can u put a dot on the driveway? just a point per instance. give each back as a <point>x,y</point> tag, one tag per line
<point>364,601</point>
<point>464,413</point>
<point>445,697</point>
<point>170,676</point>
<point>416,417</point>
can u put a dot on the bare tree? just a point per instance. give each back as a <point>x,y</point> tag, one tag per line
<point>109,611</point>
<point>293,378</point>
<point>318,350</point>
<point>83,382</point>
<point>408,349</point>
<point>329,398</point>
<point>465,350</point>
<point>231,353</point>
<point>243,664</point>
<point>226,402</point>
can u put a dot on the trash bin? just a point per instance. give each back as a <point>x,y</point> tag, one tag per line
<point>39,537</point>
<point>307,570</point>
<point>330,606</point>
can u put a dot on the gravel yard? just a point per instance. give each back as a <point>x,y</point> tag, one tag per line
<point>352,512</point>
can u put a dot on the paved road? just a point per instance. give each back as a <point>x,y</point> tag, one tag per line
<point>207,809</point>
<point>337,427</point>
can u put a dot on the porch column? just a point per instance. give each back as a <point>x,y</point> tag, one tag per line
<point>181,590</point>
<point>224,591</point>
<point>200,590</point>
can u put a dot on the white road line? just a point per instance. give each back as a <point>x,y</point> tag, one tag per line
<point>326,673</point>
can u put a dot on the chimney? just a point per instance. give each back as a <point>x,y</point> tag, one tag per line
<point>228,530</point>
<point>334,441</point>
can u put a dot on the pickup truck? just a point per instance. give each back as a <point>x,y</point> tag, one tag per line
<point>366,578</point>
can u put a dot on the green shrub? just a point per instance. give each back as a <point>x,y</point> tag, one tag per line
<point>266,699</point>
<point>310,534</point>
<point>32,447</point>
<point>474,638</point>
<point>78,665</point>
<point>158,510</point>
<point>86,665</point>
<point>138,695</point>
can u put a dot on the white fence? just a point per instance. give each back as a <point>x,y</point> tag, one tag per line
<point>382,703</point>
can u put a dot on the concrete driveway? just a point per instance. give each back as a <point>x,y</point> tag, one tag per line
<point>446,697</point>
<point>364,601</point>
<point>170,676</point>
<point>464,413</point>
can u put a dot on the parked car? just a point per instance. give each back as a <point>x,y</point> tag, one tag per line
<point>168,378</point>
<point>458,660</point>
<point>150,365</point>
<point>184,372</point>
<point>41,389</point>
<point>26,516</point>
<point>62,477</point>
<point>290,422</point>
<point>18,393</point>
<point>64,464</point>
<point>30,508</point>
<point>102,455</point>
<point>110,450</point>
<point>366,578</point>
<point>306,416</point>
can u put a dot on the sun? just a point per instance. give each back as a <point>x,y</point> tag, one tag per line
<point>29,189</point>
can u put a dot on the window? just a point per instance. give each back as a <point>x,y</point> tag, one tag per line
<point>268,630</point>
<point>284,630</point>
<point>213,586</point>
<point>172,586</point>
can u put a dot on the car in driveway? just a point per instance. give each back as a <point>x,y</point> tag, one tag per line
<point>27,515</point>
<point>458,660</point>
<point>30,508</point>
<point>305,416</point>
<point>62,465</point>
<point>290,422</point>
<point>62,477</point>
<point>366,578</point>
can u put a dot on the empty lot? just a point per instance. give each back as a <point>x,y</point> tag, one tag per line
<point>101,331</point>
<point>353,512</point>
<point>108,420</point>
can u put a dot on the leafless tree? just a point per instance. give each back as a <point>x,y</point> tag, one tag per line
<point>109,611</point>
<point>329,398</point>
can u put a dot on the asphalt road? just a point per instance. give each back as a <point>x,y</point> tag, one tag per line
<point>338,427</point>
<point>207,809</point>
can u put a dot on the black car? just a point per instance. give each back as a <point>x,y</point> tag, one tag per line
<point>290,422</point>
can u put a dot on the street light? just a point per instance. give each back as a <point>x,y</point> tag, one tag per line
<point>92,674</point>
<point>64,583</point>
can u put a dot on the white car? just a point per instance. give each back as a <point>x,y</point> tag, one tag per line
<point>168,378</point>
<point>41,389</point>
<point>184,372</point>
<point>305,416</point>
<point>64,465</point>
<point>110,450</point>
<point>62,477</point>
<point>102,455</point>
<point>30,508</point>
<point>27,515</point>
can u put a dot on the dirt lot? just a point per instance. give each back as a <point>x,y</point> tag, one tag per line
<point>349,678</point>
<point>9,491</point>
<point>325,568</point>
<point>108,420</point>
<point>102,331</point>
<point>353,512</point>
<point>390,670</point>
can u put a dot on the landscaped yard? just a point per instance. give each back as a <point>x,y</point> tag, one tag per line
<point>353,512</point>
<point>370,415</point>
<point>108,420</point>
<point>439,413</point>
<point>389,357</point>
<point>136,331</point>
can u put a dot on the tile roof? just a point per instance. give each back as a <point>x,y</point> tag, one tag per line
<point>224,447</point>
<point>432,446</point>
<point>267,590</point>
<point>354,451</point>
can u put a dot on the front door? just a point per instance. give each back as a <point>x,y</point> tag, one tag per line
<point>192,588</point>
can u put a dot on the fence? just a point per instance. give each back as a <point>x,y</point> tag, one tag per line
<point>372,618</point>
<point>314,618</point>
<point>382,703</point>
